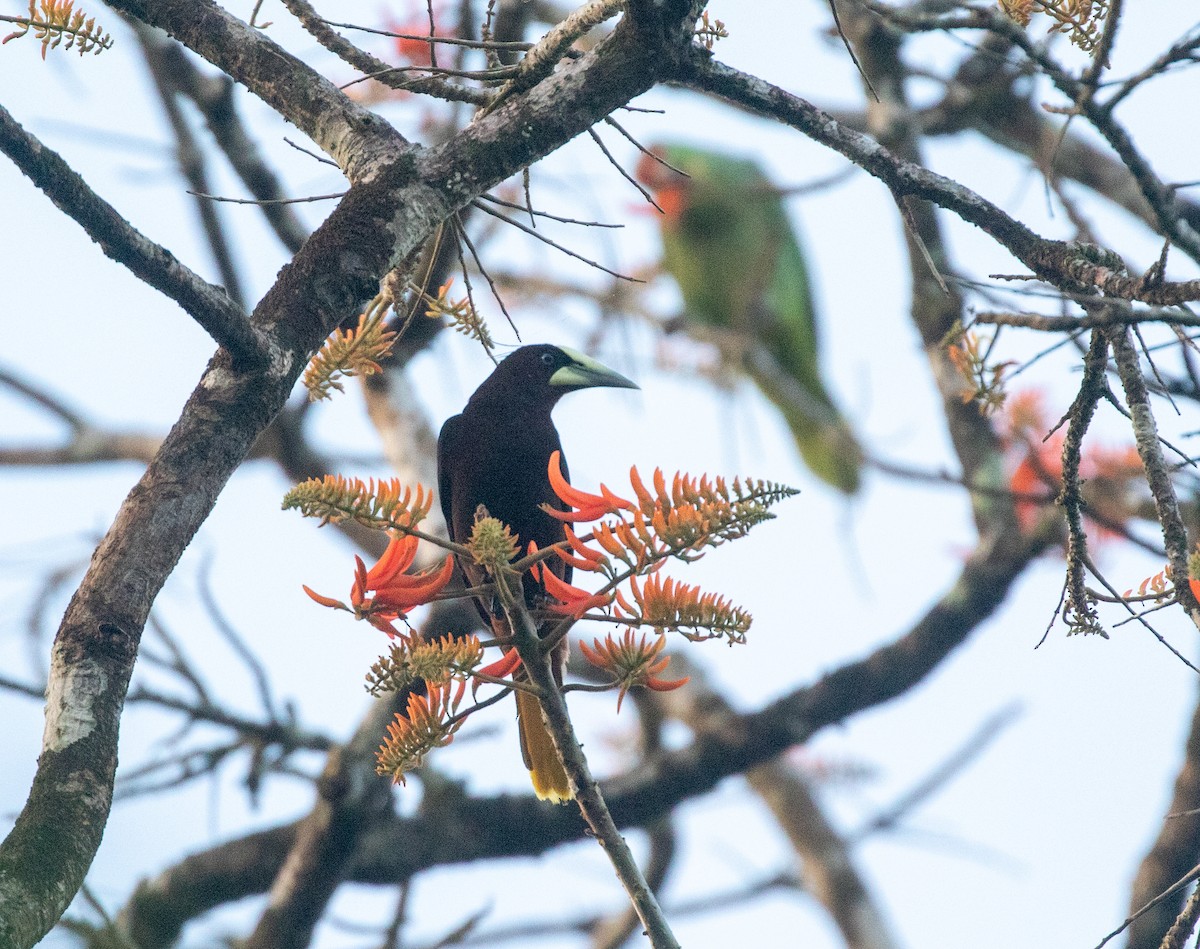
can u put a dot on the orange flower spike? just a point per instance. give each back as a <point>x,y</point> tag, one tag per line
<point>576,562</point>
<point>664,685</point>
<point>408,590</point>
<point>575,602</point>
<point>588,507</point>
<point>659,521</point>
<point>642,529</point>
<point>358,590</point>
<point>603,535</point>
<point>384,623</point>
<point>400,553</point>
<point>623,532</point>
<point>583,549</point>
<point>660,486</point>
<point>592,655</point>
<point>632,661</point>
<point>636,590</point>
<point>645,499</point>
<point>618,503</point>
<point>589,560</point>
<point>502,668</point>
<point>624,605</point>
<point>325,600</point>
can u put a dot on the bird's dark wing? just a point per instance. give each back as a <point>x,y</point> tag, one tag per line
<point>451,444</point>
<point>448,442</point>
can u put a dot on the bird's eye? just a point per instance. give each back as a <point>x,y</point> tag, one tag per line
<point>547,359</point>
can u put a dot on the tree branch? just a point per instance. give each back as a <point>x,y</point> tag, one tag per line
<point>1067,265</point>
<point>1173,853</point>
<point>456,829</point>
<point>353,136</point>
<point>208,305</point>
<point>397,200</point>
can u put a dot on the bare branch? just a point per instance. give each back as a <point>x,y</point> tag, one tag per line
<point>509,825</point>
<point>1158,476</point>
<point>208,305</point>
<point>1071,266</point>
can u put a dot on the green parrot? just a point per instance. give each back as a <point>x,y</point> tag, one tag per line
<point>730,246</point>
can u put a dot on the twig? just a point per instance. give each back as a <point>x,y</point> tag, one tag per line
<point>1189,877</point>
<point>624,174</point>
<point>1078,612</point>
<point>448,40</point>
<point>1074,267</point>
<point>257,672</point>
<point>1118,313</point>
<point>264,202</point>
<point>41,397</point>
<point>466,239</point>
<point>376,68</point>
<point>1145,433</point>
<point>491,198</point>
<point>545,240</point>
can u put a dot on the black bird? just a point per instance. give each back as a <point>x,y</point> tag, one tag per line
<point>496,453</point>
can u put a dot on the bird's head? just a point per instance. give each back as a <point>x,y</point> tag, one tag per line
<point>544,374</point>
<point>669,182</point>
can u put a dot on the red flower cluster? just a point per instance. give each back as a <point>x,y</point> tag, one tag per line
<point>395,592</point>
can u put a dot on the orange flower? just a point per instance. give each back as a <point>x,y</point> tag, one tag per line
<point>427,723</point>
<point>395,592</point>
<point>589,507</point>
<point>502,668</point>
<point>588,560</point>
<point>572,600</point>
<point>632,662</point>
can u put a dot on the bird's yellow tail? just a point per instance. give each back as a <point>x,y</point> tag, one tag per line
<point>541,758</point>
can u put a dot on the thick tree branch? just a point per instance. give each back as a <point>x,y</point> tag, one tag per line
<point>1173,853</point>
<point>460,830</point>
<point>214,97</point>
<point>395,205</point>
<point>208,305</point>
<point>1069,266</point>
<point>353,136</point>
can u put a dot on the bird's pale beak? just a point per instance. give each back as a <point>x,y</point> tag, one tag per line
<point>583,372</point>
